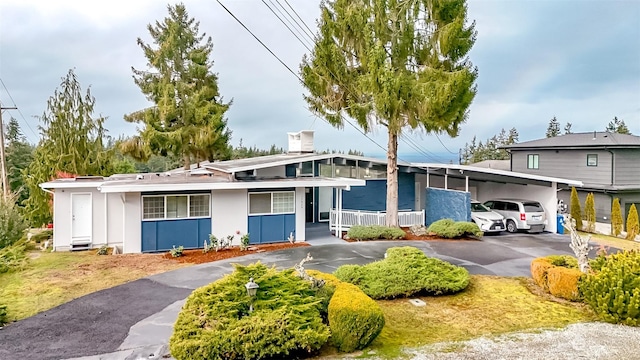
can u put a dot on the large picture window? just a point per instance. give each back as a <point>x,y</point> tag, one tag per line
<point>281,202</point>
<point>158,207</point>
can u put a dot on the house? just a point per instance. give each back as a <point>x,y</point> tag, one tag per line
<point>607,163</point>
<point>269,197</point>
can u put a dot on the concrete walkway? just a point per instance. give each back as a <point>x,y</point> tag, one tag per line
<point>135,320</point>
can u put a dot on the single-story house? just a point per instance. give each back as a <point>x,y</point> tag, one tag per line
<point>269,197</point>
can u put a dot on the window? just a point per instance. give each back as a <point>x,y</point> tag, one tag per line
<point>282,202</point>
<point>533,161</point>
<point>158,207</point>
<point>592,159</point>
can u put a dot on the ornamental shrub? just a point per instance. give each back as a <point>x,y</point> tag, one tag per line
<point>354,318</point>
<point>406,271</point>
<point>633,225</point>
<point>539,270</point>
<point>375,232</point>
<point>613,292</point>
<point>574,208</point>
<point>13,257</point>
<point>563,282</point>
<point>450,229</point>
<point>590,213</point>
<point>3,315</point>
<point>325,292</point>
<point>12,224</point>
<point>215,322</point>
<point>616,218</point>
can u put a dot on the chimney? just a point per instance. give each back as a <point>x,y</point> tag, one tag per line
<point>301,142</point>
<point>594,135</point>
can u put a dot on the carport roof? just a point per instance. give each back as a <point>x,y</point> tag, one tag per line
<point>495,175</point>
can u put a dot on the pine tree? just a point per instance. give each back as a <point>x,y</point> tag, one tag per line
<point>633,224</point>
<point>553,129</point>
<point>187,120</point>
<point>575,208</point>
<point>590,213</point>
<point>616,218</point>
<point>398,65</point>
<point>567,128</point>
<point>618,126</point>
<point>19,154</point>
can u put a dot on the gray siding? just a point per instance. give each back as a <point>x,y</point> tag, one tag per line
<point>568,164</point>
<point>627,167</point>
<point>602,202</point>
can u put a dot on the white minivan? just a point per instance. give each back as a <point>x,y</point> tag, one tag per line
<point>520,214</point>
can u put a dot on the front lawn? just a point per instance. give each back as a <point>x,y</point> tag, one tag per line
<point>54,278</point>
<point>489,306</point>
<point>606,240</point>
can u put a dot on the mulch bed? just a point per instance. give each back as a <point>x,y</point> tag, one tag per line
<point>196,256</point>
<point>410,236</point>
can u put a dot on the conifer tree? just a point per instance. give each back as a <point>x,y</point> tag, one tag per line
<point>575,209</point>
<point>553,129</point>
<point>633,224</point>
<point>396,64</point>
<point>590,213</point>
<point>616,218</point>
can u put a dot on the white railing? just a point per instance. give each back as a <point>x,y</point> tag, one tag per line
<point>406,218</point>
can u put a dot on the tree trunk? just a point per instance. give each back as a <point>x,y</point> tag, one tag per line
<point>392,180</point>
<point>187,162</point>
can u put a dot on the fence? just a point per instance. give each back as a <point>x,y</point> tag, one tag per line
<point>350,218</point>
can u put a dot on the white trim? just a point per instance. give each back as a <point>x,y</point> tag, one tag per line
<point>188,217</point>
<point>65,184</point>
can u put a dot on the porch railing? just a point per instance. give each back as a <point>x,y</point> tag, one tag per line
<point>350,218</point>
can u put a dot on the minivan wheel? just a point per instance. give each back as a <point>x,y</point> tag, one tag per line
<point>511,226</point>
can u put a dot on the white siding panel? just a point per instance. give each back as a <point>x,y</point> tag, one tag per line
<point>229,213</point>
<point>61,220</point>
<point>132,230</point>
<point>300,213</point>
<point>115,220</point>
<point>276,171</point>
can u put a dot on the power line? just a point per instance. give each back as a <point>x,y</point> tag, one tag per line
<point>292,72</point>
<point>18,109</point>
<point>305,24</point>
<point>289,21</point>
<point>443,145</point>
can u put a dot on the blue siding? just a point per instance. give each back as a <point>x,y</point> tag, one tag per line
<point>271,228</point>
<point>447,204</point>
<point>162,235</point>
<point>373,196</point>
<point>290,170</point>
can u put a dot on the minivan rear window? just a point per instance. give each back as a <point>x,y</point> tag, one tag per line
<point>532,207</point>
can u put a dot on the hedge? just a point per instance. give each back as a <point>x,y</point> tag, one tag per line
<point>215,322</point>
<point>354,318</point>
<point>406,271</point>
<point>539,269</point>
<point>375,232</point>
<point>557,275</point>
<point>450,229</point>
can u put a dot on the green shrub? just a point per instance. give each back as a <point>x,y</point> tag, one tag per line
<point>575,209</point>
<point>12,224</point>
<point>590,213</point>
<point>3,315</point>
<point>375,232</point>
<point>613,292</point>
<point>325,293</point>
<point>13,257</point>
<point>616,218</point>
<point>354,318</point>
<point>406,271</point>
<point>103,250</point>
<point>176,251</point>
<point>215,322</point>
<point>42,235</point>
<point>450,229</point>
<point>633,225</point>
<point>566,261</point>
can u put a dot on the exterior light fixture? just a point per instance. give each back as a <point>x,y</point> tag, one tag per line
<point>252,289</point>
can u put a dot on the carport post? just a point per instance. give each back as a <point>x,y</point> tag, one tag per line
<point>466,183</point>
<point>339,225</point>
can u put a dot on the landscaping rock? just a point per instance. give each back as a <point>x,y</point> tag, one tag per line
<point>419,230</point>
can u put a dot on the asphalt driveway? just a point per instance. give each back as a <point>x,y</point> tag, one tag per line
<point>135,320</point>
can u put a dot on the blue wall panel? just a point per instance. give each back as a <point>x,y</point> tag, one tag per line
<point>271,228</point>
<point>162,235</point>
<point>447,204</point>
<point>373,196</point>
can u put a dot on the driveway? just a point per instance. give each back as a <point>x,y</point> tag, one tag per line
<point>135,320</point>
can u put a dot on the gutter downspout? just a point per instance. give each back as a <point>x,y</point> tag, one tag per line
<point>124,208</point>
<point>612,164</point>
<point>106,223</point>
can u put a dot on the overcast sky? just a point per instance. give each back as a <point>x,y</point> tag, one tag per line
<point>576,60</point>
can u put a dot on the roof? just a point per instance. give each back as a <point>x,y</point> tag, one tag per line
<point>493,164</point>
<point>260,162</point>
<point>488,174</point>
<point>580,141</point>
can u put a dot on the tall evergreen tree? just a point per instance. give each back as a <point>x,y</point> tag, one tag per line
<point>590,213</point>
<point>72,141</point>
<point>575,209</point>
<point>187,119</point>
<point>567,128</point>
<point>616,218</point>
<point>19,154</point>
<point>618,126</point>
<point>399,64</point>
<point>491,149</point>
<point>553,129</point>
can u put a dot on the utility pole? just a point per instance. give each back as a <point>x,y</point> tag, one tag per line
<point>3,160</point>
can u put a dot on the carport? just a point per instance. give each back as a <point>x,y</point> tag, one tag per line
<point>485,184</point>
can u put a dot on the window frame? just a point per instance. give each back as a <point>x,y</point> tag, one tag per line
<point>591,156</point>
<point>536,161</point>
<point>164,197</point>
<point>293,202</point>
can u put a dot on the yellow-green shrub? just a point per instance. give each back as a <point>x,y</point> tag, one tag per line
<point>539,270</point>
<point>563,282</point>
<point>354,318</point>
<point>616,218</point>
<point>633,225</point>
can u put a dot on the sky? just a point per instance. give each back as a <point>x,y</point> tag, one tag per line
<point>577,60</point>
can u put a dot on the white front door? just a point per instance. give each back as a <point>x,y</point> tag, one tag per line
<point>80,218</point>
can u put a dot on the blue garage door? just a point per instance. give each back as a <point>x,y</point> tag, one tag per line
<point>163,235</point>
<point>271,228</point>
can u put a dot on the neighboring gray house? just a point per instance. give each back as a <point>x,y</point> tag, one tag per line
<point>607,163</point>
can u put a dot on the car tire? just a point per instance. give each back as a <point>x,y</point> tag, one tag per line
<point>511,226</point>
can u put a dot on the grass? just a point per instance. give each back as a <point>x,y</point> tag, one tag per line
<point>54,278</point>
<point>490,306</point>
<point>606,240</point>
